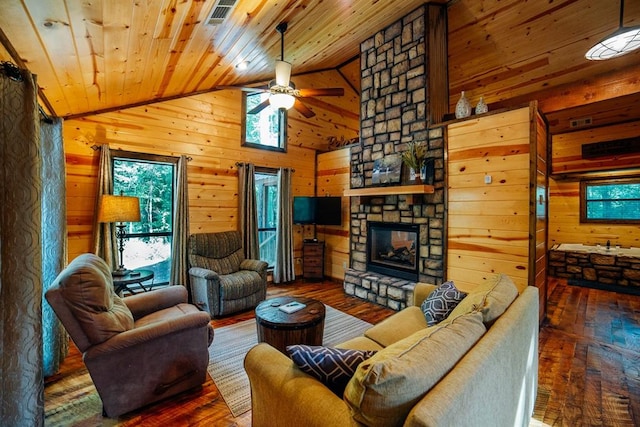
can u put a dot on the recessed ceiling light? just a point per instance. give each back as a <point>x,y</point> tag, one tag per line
<point>243,65</point>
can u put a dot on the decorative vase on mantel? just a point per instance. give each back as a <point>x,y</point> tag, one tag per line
<point>463,107</point>
<point>481,107</point>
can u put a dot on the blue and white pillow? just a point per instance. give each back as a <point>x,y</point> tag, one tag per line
<point>437,306</point>
<point>332,366</point>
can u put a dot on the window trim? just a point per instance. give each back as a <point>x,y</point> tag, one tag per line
<point>596,182</point>
<point>282,129</point>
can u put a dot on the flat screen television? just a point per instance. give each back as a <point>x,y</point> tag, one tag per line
<point>317,210</point>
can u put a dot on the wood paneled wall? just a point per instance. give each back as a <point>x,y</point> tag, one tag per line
<point>489,224</point>
<point>332,180</point>
<point>564,200</point>
<point>205,127</point>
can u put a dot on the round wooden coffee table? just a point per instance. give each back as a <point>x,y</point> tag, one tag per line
<point>280,329</point>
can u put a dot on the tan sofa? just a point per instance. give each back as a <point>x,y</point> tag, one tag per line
<point>451,374</point>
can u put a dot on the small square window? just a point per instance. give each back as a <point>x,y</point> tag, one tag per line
<point>266,129</point>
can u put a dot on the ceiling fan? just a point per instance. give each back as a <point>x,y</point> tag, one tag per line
<point>282,91</point>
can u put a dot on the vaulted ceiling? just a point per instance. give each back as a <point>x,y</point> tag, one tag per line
<point>97,55</point>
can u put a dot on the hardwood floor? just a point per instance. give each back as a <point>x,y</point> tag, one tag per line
<point>589,364</point>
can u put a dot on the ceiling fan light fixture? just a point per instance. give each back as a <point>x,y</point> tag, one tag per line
<point>283,73</point>
<point>281,100</point>
<point>621,42</point>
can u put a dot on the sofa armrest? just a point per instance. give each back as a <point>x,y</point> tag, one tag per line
<point>148,302</point>
<point>421,292</point>
<point>129,341</point>
<point>254,265</point>
<point>283,395</point>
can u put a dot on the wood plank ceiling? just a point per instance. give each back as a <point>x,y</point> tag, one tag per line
<point>92,56</point>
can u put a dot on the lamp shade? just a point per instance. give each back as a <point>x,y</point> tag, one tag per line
<point>119,209</point>
<point>281,100</point>
<point>623,41</point>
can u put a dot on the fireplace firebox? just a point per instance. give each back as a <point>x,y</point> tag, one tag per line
<point>392,249</point>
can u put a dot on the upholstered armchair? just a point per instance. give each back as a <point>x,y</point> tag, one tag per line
<point>222,281</point>
<point>139,349</point>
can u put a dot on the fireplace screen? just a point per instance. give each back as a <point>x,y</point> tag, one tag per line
<point>392,249</point>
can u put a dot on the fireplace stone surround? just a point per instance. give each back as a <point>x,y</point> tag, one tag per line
<point>402,89</point>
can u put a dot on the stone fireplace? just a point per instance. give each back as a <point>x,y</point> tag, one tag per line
<point>392,249</point>
<point>404,91</point>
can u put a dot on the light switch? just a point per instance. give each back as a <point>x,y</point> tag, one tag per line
<point>487,179</point>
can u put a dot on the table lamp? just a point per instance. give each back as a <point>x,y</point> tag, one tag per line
<point>119,209</point>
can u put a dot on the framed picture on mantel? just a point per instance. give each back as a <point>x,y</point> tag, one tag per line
<point>387,170</point>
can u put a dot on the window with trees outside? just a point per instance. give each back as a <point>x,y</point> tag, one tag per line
<point>152,179</point>
<point>612,201</point>
<point>266,129</point>
<point>267,207</point>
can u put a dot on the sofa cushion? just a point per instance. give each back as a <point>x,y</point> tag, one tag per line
<point>437,306</point>
<point>385,387</point>
<point>333,366</point>
<point>87,288</point>
<point>398,326</point>
<point>491,298</point>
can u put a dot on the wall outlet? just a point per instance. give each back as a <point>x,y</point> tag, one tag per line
<point>487,179</point>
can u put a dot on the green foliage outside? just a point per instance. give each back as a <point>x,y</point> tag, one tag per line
<point>261,128</point>
<point>613,201</point>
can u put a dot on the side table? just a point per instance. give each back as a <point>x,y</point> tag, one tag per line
<point>121,283</point>
<point>280,329</point>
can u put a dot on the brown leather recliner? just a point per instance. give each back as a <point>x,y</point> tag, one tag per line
<point>138,349</point>
<point>222,281</point>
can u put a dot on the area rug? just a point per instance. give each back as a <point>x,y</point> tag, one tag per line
<point>231,344</point>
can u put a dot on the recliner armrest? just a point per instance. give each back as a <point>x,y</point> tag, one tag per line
<point>255,265</point>
<point>148,302</point>
<point>126,341</point>
<point>203,273</point>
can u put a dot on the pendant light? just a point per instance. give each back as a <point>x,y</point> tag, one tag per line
<point>621,42</point>
<point>281,91</point>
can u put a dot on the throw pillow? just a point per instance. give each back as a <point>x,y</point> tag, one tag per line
<point>333,366</point>
<point>437,306</point>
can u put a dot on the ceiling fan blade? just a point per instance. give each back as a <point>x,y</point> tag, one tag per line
<point>283,73</point>
<point>258,89</point>
<point>330,91</point>
<point>255,110</point>
<point>303,109</point>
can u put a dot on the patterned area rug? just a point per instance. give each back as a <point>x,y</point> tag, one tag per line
<point>231,344</point>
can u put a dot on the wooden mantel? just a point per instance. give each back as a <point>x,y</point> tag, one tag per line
<point>408,190</point>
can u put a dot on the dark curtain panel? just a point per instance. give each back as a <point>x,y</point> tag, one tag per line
<point>180,239</point>
<point>284,270</point>
<point>248,214</point>
<point>104,233</point>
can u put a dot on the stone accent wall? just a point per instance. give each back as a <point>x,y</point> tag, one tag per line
<point>394,111</point>
<point>594,267</point>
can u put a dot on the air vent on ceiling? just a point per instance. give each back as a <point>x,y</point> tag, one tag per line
<point>221,10</point>
<point>578,123</point>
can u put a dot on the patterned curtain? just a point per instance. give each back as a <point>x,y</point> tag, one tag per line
<point>21,374</point>
<point>180,239</point>
<point>284,270</point>
<point>104,234</point>
<point>55,341</point>
<point>248,212</point>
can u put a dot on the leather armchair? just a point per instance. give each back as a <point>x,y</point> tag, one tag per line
<point>222,281</point>
<point>138,349</point>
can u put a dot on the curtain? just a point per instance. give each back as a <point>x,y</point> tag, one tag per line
<point>248,213</point>
<point>21,374</point>
<point>284,270</point>
<point>55,341</point>
<point>180,239</point>
<point>104,233</point>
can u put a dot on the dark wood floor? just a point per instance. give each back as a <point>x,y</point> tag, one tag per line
<point>589,364</point>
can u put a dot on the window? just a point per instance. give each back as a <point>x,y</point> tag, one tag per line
<point>267,207</point>
<point>613,201</point>
<point>151,179</point>
<point>266,129</point>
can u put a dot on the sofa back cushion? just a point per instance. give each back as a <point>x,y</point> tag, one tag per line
<point>86,287</point>
<point>220,252</point>
<point>385,387</point>
<point>491,298</point>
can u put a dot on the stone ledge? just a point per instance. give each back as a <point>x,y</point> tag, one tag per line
<point>387,291</point>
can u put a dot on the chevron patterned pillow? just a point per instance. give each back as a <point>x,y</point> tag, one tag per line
<point>437,306</point>
<point>334,367</point>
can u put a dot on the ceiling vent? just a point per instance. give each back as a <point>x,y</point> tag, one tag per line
<point>221,10</point>
<point>578,123</point>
